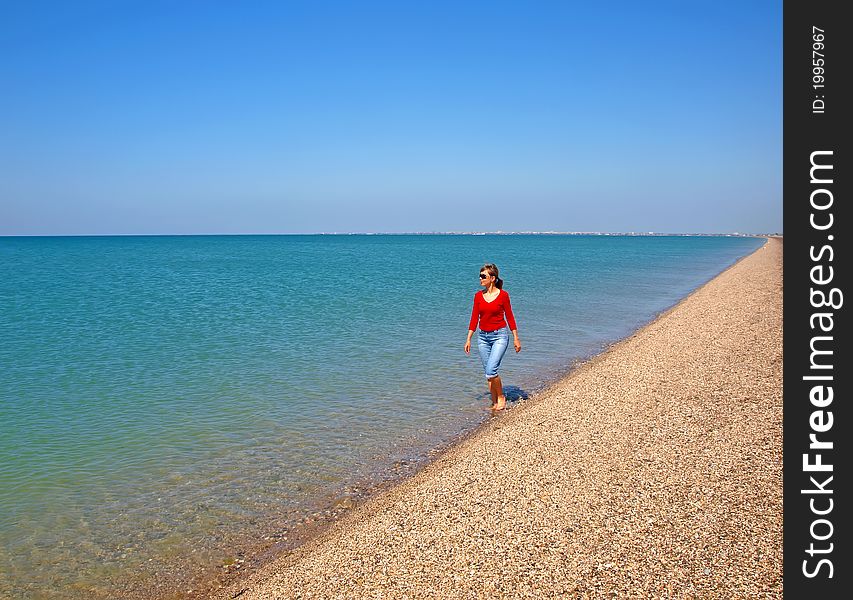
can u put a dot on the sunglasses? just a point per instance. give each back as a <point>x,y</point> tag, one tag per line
<point>484,275</point>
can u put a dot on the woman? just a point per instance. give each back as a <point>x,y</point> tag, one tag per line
<point>490,307</point>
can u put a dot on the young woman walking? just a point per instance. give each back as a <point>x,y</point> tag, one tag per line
<point>492,311</point>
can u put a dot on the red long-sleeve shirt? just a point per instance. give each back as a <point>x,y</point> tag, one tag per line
<point>491,314</point>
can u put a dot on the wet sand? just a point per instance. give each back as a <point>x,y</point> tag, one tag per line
<point>654,469</point>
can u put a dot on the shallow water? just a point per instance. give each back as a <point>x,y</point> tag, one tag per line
<point>161,398</point>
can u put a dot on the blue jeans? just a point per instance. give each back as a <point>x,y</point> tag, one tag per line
<point>492,346</point>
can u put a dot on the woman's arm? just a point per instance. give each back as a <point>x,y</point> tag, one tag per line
<point>475,316</point>
<point>472,324</point>
<point>510,319</point>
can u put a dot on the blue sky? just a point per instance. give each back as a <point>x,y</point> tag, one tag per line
<point>286,117</point>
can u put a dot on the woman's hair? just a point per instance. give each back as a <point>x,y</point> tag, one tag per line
<point>492,269</point>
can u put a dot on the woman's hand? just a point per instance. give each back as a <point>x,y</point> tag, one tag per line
<point>467,346</point>
<point>517,343</point>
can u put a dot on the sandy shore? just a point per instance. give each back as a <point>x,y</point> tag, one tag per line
<point>655,469</point>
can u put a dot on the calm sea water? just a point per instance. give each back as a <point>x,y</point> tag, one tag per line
<point>162,396</point>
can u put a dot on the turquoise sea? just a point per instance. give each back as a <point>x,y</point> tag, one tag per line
<point>166,400</point>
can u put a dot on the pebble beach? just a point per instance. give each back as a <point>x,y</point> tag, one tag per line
<point>652,470</point>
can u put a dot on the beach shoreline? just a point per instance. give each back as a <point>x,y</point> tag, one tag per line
<point>205,526</point>
<point>274,574</point>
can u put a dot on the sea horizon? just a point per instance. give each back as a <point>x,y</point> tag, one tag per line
<point>499,232</point>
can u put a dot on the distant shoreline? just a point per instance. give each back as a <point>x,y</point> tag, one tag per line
<point>368,233</point>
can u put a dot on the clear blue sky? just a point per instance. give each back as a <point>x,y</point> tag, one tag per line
<point>282,117</point>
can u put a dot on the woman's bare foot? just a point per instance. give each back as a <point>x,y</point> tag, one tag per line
<point>500,404</point>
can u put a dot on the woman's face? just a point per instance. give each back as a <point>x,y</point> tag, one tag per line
<point>486,278</point>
